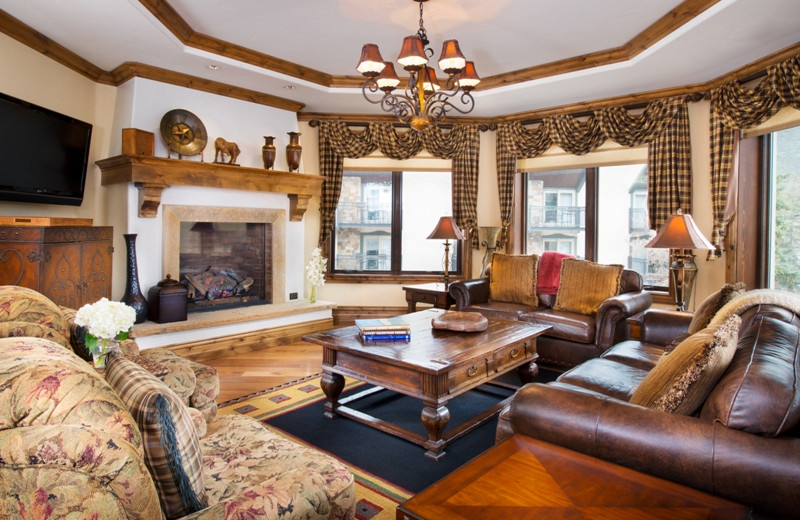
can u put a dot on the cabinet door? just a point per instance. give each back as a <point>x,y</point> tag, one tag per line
<point>61,274</point>
<point>96,269</point>
<point>20,264</point>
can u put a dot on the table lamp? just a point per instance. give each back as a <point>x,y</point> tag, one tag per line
<point>680,234</point>
<point>447,230</point>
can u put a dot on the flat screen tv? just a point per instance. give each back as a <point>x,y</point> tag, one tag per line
<point>43,154</point>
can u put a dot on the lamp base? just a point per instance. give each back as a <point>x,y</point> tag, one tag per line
<point>683,271</point>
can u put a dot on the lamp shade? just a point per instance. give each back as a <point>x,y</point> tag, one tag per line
<point>371,63</point>
<point>451,60</point>
<point>412,54</point>
<point>680,232</point>
<point>387,80</point>
<point>447,229</point>
<point>468,77</point>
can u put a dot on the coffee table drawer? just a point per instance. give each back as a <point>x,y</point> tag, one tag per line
<point>469,374</point>
<point>511,356</point>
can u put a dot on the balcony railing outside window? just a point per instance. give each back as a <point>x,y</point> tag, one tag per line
<point>359,214</point>
<point>557,217</point>
<point>366,262</point>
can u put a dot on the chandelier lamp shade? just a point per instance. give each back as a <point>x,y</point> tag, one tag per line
<point>680,235</point>
<point>424,100</point>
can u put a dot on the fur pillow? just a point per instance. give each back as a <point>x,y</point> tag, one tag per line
<point>585,285</point>
<point>681,380</point>
<point>512,279</point>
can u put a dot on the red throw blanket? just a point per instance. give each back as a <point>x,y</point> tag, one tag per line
<point>549,273</point>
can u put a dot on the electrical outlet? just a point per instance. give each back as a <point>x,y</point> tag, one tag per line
<point>292,295</point>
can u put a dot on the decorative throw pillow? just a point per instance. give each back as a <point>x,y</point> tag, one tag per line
<point>706,310</point>
<point>23,304</point>
<point>585,285</point>
<point>681,381</point>
<point>513,279</point>
<point>171,445</point>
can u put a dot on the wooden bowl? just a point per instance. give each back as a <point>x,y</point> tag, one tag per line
<point>461,321</point>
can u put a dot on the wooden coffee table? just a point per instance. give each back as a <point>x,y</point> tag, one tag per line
<point>526,478</point>
<point>435,366</point>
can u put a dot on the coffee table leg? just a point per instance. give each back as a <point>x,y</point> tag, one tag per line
<point>528,371</point>
<point>435,421</point>
<point>332,385</point>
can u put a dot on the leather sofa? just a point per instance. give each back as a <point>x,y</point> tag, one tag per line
<point>573,338</point>
<point>742,444</point>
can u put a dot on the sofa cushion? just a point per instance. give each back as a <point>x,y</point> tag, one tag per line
<point>18,329</point>
<point>565,325</point>
<point>709,307</point>
<point>23,304</point>
<point>512,279</point>
<point>682,379</point>
<point>605,377</point>
<point>263,474</point>
<point>585,285</point>
<point>171,446</point>
<point>760,392</point>
<point>635,353</point>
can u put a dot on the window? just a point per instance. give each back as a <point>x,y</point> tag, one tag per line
<point>783,218</point>
<point>615,229</point>
<point>383,220</point>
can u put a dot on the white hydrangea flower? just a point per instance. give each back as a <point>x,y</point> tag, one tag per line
<point>315,270</point>
<point>106,319</point>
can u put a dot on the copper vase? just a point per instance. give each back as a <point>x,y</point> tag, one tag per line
<point>268,152</point>
<point>293,151</point>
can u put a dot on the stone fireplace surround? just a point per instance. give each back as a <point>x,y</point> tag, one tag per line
<point>200,327</point>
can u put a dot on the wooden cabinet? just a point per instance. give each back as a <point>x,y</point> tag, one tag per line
<point>71,265</point>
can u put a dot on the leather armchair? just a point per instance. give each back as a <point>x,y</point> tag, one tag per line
<point>573,338</point>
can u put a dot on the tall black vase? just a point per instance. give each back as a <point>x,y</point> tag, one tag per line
<point>133,294</point>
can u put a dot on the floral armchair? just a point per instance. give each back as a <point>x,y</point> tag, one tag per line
<point>122,444</point>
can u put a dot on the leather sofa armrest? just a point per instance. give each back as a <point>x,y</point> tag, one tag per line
<point>662,326</point>
<point>739,466</point>
<point>615,311</point>
<point>469,292</point>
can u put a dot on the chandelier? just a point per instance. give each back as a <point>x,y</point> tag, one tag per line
<point>424,100</point>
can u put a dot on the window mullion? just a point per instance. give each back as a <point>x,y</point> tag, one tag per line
<point>397,221</point>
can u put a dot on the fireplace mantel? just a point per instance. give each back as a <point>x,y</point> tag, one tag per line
<point>152,175</point>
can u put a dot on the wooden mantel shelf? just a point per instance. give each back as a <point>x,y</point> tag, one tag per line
<point>152,175</point>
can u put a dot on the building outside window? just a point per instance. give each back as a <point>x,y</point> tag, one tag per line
<point>557,220</point>
<point>384,218</point>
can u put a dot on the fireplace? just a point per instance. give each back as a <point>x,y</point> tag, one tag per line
<point>227,257</point>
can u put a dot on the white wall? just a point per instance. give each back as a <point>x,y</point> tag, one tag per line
<point>141,104</point>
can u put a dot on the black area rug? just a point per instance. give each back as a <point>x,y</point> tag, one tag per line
<point>396,460</point>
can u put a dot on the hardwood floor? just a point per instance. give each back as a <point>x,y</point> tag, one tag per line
<point>249,372</point>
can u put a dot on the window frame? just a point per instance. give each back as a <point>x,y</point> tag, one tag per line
<point>395,274</point>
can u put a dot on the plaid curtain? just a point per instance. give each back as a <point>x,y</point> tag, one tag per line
<point>513,141</point>
<point>337,141</point>
<point>664,125</point>
<point>735,107</point>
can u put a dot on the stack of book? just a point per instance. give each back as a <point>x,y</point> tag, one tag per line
<point>385,329</point>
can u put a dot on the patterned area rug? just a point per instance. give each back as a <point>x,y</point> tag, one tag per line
<point>377,498</point>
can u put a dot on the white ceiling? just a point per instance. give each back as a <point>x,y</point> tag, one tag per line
<point>501,36</point>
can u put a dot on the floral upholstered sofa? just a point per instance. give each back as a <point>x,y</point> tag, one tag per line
<point>77,443</point>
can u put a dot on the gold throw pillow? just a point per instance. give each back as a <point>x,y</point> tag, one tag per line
<point>682,380</point>
<point>512,279</point>
<point>585,285</point>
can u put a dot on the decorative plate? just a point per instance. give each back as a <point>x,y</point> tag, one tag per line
<point>461,321</point>
<point>183,132</point>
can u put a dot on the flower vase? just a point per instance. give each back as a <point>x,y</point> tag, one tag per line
<point>268,152</point>
<point>313,296</point>
<point>101,351</point>
<point>293,151</point>
<point>133,294</point>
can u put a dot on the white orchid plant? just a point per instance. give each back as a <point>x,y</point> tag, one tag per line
<point>105,320</point>
<point>315,270</point>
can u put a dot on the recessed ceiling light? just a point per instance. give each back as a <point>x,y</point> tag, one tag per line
<point>212,67</point>
<point>289,87</point>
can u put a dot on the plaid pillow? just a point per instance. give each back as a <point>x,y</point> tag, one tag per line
<point>171,446</point>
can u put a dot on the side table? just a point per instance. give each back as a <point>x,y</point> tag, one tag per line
<point>434,293</point>
<point>523,477</point>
